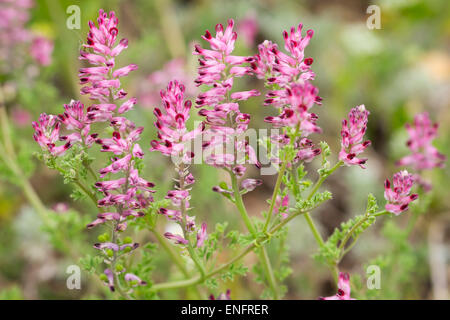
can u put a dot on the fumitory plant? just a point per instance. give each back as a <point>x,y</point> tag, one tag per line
<point>125,200</point>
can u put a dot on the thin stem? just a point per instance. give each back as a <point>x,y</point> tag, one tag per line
<point>274,195</point>
<point>278,182</point>
<point>240,205</point>
<point>264,258</point>
<point>314,230</point>
<point>316,187</point>
<point>173,256</point>
<point>353,229</point>
<point>197,279</point>
<point>170,28</point>
<point>192,252</point>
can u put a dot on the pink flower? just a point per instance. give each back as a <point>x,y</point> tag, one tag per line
<point>176,238</point>
<point>352,134</point>
<point>46,134</point>
<point>41,50</point>
<point>281,68</point>
<point>424,154</point>
<point>251,184</point>
<point>343,288</point>
<point>21,117</point>
<point>281,204</point>
<point>201,235</point>
<point>399,196</point>
<point>248,28</point>
<point>176,69</point>
<point>110,277</point>
<point>306,151</point>
<point>222,296</point>
<point>129,277</point>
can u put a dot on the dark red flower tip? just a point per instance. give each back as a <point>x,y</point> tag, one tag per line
<point>309,61</point>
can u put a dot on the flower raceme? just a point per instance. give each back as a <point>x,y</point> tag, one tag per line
<point>292,94</point>
<point>101,81</point>
<point>174,140</point>
<point>171,123</point>
<point>352,134</point>
<point>398,194</point>
<point>128,195</point>
<point>423,154</point>
<point>220,107</point>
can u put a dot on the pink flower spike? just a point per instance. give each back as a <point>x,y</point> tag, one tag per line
<point>423,154</point>
<point>41,50</point>
<point>343,288</point>
<point>352,134</point>
<point>399,196</point>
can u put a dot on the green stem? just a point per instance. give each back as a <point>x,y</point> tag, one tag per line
<point>197,279</point>
<point>240,205</point>
<point>353,229</point>
<point>173,256</point>
<point>316,187</point>
<point>274,195</point>
<point>264,258</point>
<point>278,182</point>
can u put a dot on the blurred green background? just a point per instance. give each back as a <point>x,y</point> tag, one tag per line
<point>396,71</point>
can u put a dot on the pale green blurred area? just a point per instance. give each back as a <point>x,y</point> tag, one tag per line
<point>396,71</point>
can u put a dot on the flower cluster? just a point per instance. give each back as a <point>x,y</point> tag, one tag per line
<point>101,81</point>
<point>15,38</point>
<point>174,140</point>
<point>175,69</point>
<point>292,95</point>
<point>423,154</point>
<point>128,195</point>
<point>220,107</point>
<point>352,134</point>
<point>398,195</point>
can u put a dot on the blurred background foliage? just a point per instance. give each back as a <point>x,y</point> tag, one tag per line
<point>396,71</point>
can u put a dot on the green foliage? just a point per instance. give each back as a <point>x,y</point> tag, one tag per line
<point>91,263</point>
<point>335,247</point>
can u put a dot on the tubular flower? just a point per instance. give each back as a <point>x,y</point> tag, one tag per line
<point>46,134</point>
<point>399,196</point>
<point>343,289</point>
<point>174,139</point>
<point>423,154</point>
<point>134,280</point>
<point>129,194</point>
<point>352,134</point>
<point>101,80</point>
<point>220,106</point>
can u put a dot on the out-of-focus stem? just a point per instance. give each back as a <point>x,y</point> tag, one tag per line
<point>170,28</point>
